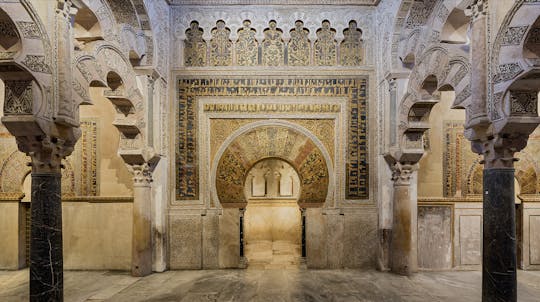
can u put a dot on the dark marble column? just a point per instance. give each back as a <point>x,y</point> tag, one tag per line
<point>46,264</point>
<point>499,244</point>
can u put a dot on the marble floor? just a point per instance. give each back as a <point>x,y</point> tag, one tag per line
<point>267,285</point>
<point>279,254</point>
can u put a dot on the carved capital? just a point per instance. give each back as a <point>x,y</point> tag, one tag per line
<point>477,9</point>
<point>142,175</point>
<point>46,154</point>
<point>499,151</point>
<point>64,9</point>
<point>402,173</point>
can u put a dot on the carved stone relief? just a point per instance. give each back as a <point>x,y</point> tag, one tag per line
<point>190,89</point>
<point>325,46</point>
<point>351,47</point>
<point>299,46</point>
<point>247,47</point>
<point>195,46</point>
<point>272,45</point>
<point>220,45</point>
<point>18,97</point>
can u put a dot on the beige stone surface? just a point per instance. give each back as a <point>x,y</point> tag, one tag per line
<point>210,241</point>
<point>114,177</point>
<point>10,239</point>
<point>316,234</point>
<point>430,173</point>
<point>435,237</point>
<point>359,239</point>
<point>272,220</point>
<point>97,235</point>
<point>229,238</point>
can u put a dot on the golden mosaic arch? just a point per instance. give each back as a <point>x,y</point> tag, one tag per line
<point>272,141</point>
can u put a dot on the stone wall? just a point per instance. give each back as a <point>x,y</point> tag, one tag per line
<point>96,196</point>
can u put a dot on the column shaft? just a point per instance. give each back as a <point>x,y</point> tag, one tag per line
<point>404,259</point>
<point>141,262</point>
<point>46,263</point>
<point>499,239</point>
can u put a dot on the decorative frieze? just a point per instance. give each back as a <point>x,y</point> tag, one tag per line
<point>514,35</point>
<point>29,30</point>
<point>507,72</point>
<point>274,47</point>
<point>36,63</point>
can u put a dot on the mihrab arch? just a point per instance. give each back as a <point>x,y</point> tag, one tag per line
<point>285,141</point>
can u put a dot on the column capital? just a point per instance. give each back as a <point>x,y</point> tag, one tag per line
<point>477,9</point>
<point>46,154</point>
<point>499,150</point>
<point>142,174</point>
<point>402,173</point>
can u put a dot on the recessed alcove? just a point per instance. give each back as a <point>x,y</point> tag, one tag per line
<point>272,219</point>
<point>455,30</point>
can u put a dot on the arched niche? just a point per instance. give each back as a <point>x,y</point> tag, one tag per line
<point>272,178</point>
<point>455,29</point>
<point>255,143</point>
<point>10,42</point>
<point>86,28</point>
<point>531,48</point>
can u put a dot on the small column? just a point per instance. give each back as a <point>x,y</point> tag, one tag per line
<point>46,259</point>
<point>141,253</point>
<point>499,265</point>
<point>403,246</point>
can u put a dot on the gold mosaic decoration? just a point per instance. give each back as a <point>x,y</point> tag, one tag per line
<point>220,45</point>
<point>247,47</point>
<point>272,142</point>
<point>221,129</point>
<point>194,46</point>
<point>353,88</point>
<point>325,46</point>
<point>299,46</point>
<point>272,45</point>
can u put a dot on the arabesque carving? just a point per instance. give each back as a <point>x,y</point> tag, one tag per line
<point>247,47</point>
<point>325,46</point>
<point>195,46</point>
<point>299,46</point>
<point>272,46</point>
<point>220,46</point>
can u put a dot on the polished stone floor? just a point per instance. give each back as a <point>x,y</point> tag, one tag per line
<point>279,254</point>
<point>268,285</point>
